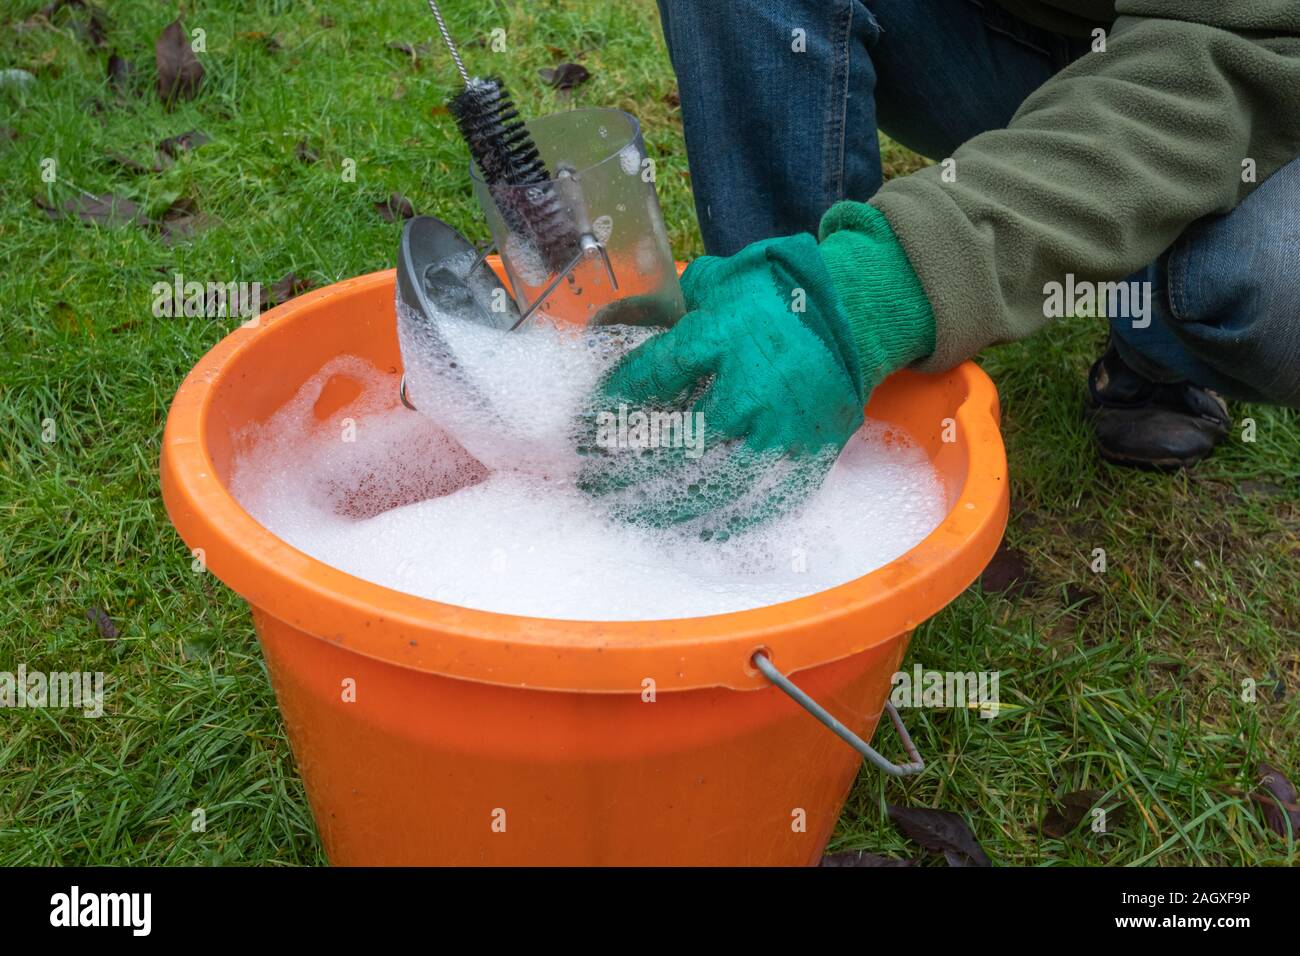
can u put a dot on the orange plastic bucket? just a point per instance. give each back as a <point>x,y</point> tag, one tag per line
<point>433,734</point>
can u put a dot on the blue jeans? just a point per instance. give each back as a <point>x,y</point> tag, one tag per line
<point>775,137</point>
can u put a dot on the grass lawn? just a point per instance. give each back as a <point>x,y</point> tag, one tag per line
<point>1128,681</point>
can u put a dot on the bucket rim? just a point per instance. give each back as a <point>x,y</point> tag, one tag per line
<point>564,655</point>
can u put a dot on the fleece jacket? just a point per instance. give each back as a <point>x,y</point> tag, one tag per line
<point>1190,105</point>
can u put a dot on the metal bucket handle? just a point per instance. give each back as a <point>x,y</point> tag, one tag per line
<point>915,764</point>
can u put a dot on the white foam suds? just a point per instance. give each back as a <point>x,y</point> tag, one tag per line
<point>511,398</point>
<point>388,495</point>
<point>526,260</point>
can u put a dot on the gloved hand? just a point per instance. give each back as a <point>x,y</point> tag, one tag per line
<point>780,348</point>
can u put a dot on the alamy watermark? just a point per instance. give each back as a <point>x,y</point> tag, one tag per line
<point>133,911</point>
<point>79,690</point>
<point>1113,300</point>
<point>947,689</point>
<point>212,300</point>
<point>635,428</point>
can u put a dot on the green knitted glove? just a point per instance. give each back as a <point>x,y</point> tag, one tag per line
<point>776,357</point>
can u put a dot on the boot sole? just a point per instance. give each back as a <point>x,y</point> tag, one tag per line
<point>1161,465</point>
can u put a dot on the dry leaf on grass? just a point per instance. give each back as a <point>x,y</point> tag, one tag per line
<point>941,832</point>
<point>179,71</point>
<point>565,76</point>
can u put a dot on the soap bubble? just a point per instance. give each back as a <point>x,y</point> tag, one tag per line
<point>629,159</point>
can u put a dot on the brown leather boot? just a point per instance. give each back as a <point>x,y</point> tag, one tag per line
<point>1161,426</point>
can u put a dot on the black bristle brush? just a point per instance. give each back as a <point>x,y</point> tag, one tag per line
<point>511,165</point>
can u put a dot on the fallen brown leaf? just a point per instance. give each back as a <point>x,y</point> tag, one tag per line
<point>179,71</point>
<point>102,210</point>
<point>395,208</point>
<point>565,76</point>
<point>1077,597</point>
<point>1060,821</point>
<point>289,286</point>
<point>939,831</point>
<point>173,146</point>
<point>183,220</point>
<point>1279,802</point>
<point>98,617</point>
<point>92,27</point>
<point>120,74</point>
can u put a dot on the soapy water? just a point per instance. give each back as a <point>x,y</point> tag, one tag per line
<point>391,496</point>
<point>513,399</point>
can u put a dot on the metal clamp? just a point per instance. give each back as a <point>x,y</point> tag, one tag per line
<point>916,764</point>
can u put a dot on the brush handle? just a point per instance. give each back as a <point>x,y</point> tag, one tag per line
<point>446,38</point>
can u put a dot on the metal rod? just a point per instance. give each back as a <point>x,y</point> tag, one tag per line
<point>609,268</point>
<point>482,257</point>
<point>586,245</point>
<point>446,38</point>
<point>559,277</point>
<point>915,764</point>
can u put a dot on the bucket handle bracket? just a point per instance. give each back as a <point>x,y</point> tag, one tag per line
<point>914,765</point>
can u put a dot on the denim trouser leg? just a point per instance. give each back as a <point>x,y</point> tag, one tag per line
<point>780,97</point>
<point>764,111</point>
<point>1225,309</point>
<point>948,70</point>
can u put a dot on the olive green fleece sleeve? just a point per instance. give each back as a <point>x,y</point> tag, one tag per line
<point>1103,166</point>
